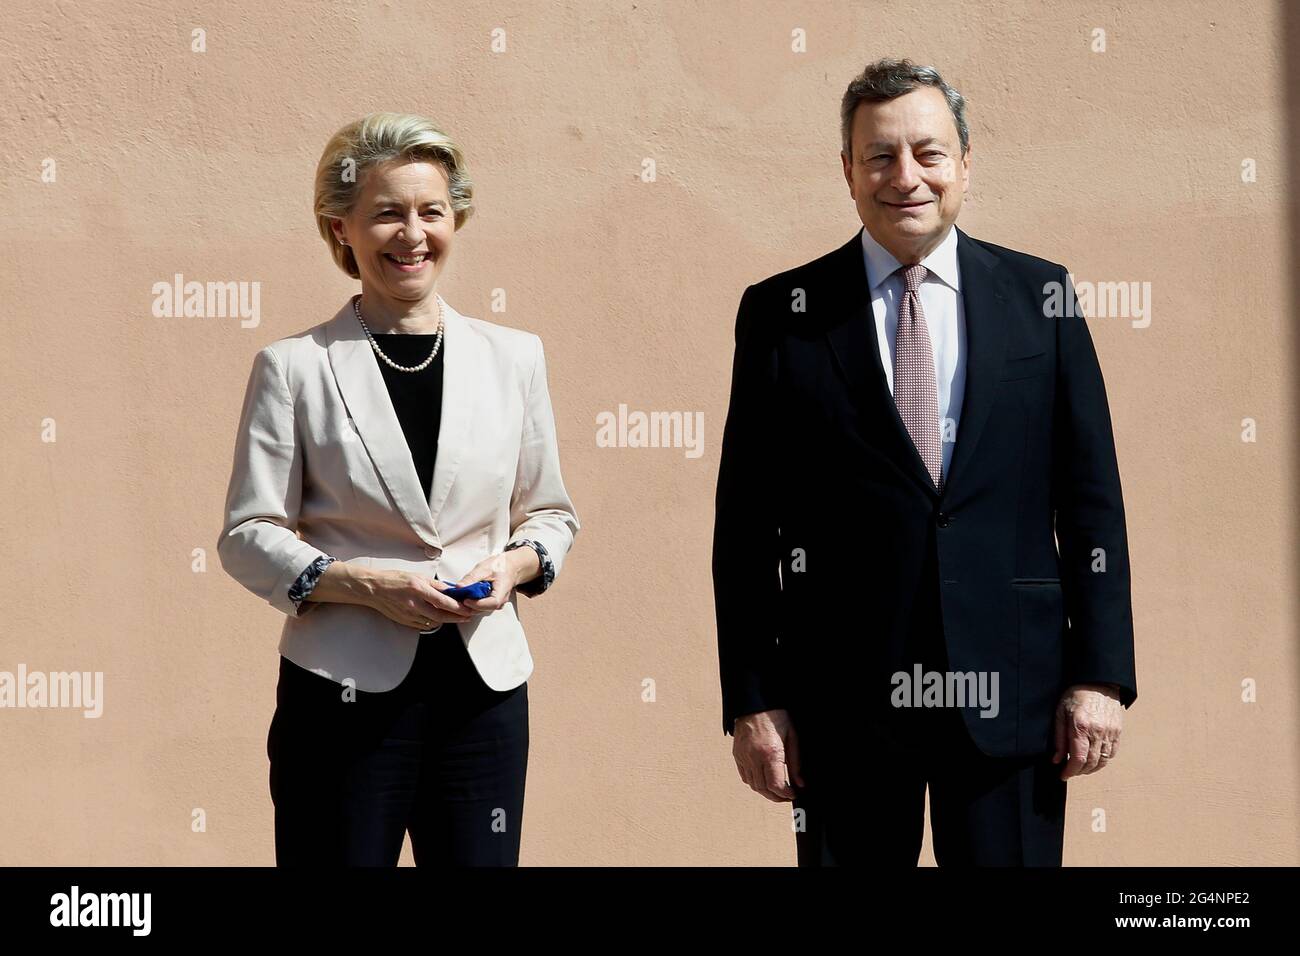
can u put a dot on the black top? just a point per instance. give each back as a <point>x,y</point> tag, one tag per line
<point>416,396</point>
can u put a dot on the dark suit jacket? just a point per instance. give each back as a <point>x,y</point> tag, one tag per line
<point>825,512</point>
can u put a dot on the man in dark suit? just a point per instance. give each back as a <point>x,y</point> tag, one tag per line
<point>920,560</point>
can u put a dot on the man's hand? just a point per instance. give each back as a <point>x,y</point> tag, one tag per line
<point>1089,720</point>
<point>766,751</point>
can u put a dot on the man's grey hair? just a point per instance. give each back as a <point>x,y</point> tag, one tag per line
<point>887,79</point>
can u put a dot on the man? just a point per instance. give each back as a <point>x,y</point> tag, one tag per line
<point>920,560</point>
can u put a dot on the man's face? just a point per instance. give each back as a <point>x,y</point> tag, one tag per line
<point>907,174</point>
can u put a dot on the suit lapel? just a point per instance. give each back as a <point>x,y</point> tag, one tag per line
<point>984,305</point>
<point>852,335</point>
<point>856,349</point>
<point>857,352</point>
<point>361,384</point>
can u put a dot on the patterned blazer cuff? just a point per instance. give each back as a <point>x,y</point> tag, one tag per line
<point>545,577</point>
<point>302,587</point>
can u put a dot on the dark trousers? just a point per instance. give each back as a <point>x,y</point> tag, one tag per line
<point>442,756</point>
<point>866,772</point>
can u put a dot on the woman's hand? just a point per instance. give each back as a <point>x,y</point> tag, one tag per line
<point>506,571</point>
<point>412,599</point>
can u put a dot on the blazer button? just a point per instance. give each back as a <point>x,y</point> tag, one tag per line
<point>942,520</point>
<point>431,552</point>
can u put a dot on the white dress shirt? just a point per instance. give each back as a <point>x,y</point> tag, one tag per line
<point>944,316</point>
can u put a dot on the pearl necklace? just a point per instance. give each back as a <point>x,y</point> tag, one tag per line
<point>437,340</point>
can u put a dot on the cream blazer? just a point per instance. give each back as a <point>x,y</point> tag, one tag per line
<point>322,467</point>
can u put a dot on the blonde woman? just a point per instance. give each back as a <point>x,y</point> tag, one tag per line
<point>384,456</point>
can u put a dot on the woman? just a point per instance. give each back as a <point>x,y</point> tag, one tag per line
<point>383,456</point>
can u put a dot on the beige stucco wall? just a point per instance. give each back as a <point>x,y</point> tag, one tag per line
<point>1123,164</point>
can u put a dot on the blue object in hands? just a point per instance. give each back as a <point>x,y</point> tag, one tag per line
<point>476,591</point>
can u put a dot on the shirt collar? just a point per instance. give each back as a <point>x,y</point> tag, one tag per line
<point>942,261</point>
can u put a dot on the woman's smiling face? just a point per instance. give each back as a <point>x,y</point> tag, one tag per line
<point>402,213</point>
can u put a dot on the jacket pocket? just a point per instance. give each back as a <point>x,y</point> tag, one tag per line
<point>1035,582</point>
<point>1025,366</point>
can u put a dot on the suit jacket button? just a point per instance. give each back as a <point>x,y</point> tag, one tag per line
<point>942,520</point>
<point>431,552</point>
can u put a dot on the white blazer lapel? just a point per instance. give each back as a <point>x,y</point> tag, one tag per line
<point>366,397</point>
<point>456,424</point>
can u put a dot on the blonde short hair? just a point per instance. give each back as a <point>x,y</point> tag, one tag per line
<point>368,142</point>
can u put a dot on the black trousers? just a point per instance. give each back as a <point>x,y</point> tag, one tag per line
<point>442,756</point>
<point>866,772</point>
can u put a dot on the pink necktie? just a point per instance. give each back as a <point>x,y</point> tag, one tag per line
<point>915,392</point>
